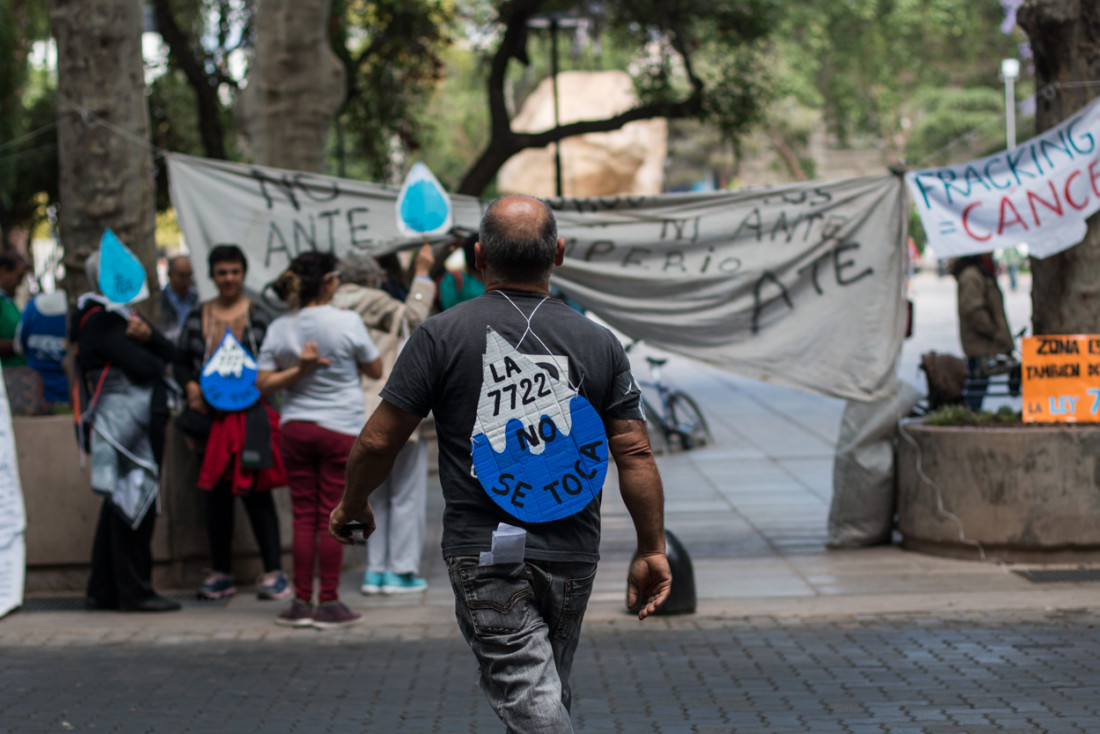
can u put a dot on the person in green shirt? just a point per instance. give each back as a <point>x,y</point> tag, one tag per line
<point>456,287</point>
<point>12,271</point>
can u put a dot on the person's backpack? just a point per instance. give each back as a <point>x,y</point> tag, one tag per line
<point>946,375</point>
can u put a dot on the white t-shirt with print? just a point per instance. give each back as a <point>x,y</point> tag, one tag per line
<point>329,396</point>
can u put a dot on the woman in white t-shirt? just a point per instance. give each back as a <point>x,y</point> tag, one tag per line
<point>315,354</point>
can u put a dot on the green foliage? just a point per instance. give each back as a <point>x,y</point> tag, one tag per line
<point>710,47</point>
<point>454,125</point>
<point>864,62</point>
<point>954,122</point>
<point>916,229</point>
<point>28,146</point>
<point>391,49</point>
<point>960,415</point>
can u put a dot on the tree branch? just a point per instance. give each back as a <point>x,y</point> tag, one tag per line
<point>206,94</point>
<point>514,15</point>
<point>503,147</point>
<point>673,110</point>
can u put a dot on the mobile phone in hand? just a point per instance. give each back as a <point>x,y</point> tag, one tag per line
<point>356,531</point>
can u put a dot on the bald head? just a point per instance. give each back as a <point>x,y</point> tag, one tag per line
<point>519,239</point>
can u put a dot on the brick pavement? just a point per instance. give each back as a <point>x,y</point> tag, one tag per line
<point>961,673</point>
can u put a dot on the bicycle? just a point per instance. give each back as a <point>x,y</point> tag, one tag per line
<point>674,417</point>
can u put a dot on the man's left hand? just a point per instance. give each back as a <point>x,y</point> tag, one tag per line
<point>341,516</point>
<point>648,584</point>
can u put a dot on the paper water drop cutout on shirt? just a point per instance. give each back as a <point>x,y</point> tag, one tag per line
<point>539,448</point>
<point>228,379</point>
<point>121,274</point>
<point>423,206</point>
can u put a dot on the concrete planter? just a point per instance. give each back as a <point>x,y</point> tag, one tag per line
<point>1027,493</point>
<point>62,512</point>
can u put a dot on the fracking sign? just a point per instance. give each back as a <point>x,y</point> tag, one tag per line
<point>1061,378</point>
<point>1039,193</point>
<point>799,285</point>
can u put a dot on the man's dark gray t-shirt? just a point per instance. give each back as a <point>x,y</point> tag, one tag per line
<point>441,370</point>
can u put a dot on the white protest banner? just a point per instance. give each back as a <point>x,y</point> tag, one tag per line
<point>1039,193</point>
<point>13,515</point>
<point>273,214</point>
<point>799,285</point>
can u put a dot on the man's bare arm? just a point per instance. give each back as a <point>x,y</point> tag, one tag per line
<point>369,464</point>
<point>650,579</point>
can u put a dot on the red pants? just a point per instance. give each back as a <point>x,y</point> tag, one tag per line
<point>316,460</point>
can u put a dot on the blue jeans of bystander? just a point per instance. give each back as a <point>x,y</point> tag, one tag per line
<point>523,622</point>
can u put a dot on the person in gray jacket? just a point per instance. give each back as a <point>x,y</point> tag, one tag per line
<point>400,504</point>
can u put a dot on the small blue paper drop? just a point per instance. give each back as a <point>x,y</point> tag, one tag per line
<point>424,207</point>
<point>121,274</point>
<point>228,378</point>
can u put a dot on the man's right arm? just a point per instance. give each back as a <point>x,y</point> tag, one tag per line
<point>650,579</point>
<point>369,464</point>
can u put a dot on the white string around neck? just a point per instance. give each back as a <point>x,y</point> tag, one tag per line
<point>532,332</point>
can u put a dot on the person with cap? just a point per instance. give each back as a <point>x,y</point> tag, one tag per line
<point>400,504</point>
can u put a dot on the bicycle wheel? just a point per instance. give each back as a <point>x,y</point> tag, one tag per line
<point>687,421</point>
<point>659,439</point>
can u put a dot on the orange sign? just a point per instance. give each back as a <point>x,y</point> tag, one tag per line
<point>1061,378</point>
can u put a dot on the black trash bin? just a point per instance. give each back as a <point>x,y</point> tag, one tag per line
<point>681,600</point>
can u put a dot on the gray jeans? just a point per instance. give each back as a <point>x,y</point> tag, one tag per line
<point>523,622</point>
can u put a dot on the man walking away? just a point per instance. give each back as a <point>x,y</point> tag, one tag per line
<point>531,400</point>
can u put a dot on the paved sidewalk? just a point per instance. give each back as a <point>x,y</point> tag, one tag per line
<point>788,637</point>
<point>855,674</point>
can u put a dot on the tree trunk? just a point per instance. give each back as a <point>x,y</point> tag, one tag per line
<point>1065,38</point>
<point>11,90</point>
<point>491,160</point>
<point>105,159</point>
<point>295,87</point>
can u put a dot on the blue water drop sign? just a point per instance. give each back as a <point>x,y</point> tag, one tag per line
<point>539,448</point>
<point>423,206</point>
<point>228,378</point>
<point>121,274</point>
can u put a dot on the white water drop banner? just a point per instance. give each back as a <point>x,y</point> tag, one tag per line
<point>13,515</point>
<point>1039,193</point>
<point>535,432</point>
<point>800,285</point>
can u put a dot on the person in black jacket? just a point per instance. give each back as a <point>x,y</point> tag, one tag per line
<point>123,357</point>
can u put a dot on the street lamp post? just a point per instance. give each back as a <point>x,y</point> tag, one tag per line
<point>1010,69</point>
<point>557,119</point>
<point>555,22</point>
